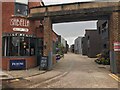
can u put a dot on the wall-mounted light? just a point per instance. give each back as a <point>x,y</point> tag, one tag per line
<point>41,27</point>
<point>45,45</point>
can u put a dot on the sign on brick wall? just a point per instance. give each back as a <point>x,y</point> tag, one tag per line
<point>20,24</point>
<point>17,64</point>
<point>117,46</point>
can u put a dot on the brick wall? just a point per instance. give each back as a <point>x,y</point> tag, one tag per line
<point>0,34</point>
<point>30,62</point>
<point>76,6</point>
<point>47,35</point>
<point>33,4</point>
<point>7,14</point>
<point>114,28</point>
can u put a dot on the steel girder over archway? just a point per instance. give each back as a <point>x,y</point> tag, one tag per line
<point>81,11</point>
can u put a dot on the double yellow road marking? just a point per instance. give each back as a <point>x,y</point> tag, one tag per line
<point>115,77</point>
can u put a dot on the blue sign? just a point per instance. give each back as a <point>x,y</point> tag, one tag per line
<point>17,64</point>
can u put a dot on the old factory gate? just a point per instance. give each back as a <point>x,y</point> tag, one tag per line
<point>82,11</point>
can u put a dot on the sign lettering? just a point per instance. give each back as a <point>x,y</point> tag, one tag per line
<point>19,22</point>
<point>21,29</point>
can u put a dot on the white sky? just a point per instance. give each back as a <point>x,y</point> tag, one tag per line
<point>22,1</point>
<point>49,2</point>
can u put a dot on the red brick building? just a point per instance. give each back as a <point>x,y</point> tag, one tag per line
<point>22,39</point>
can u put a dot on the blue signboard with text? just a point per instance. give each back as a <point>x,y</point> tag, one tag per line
<point>17,64</point>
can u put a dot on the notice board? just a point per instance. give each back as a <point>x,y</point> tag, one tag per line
<point>43,63</point>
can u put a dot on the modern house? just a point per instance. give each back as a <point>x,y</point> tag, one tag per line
<point>78,45</point>
<point>102,27</point>
<point>84,46</point>
<point>91,43</point>
<point>72,48</point>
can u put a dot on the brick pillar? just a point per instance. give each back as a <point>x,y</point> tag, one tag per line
<point>0,34</point>
<point>48,40</point>
<point>114,28</point>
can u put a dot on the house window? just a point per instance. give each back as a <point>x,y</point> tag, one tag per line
<point>18,46</point>
<point>88,37</point>
<point>40,46</point>
<point>24,46</point>
<point>104,24</point>
<point>105,30</point>
<point>21,9</point>
<point>32,46</point>
<point>105,46</point>
<point>99,30</point>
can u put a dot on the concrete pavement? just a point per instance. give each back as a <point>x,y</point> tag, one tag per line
<point>4,75</point>
<point>7,75</point>
<point>72,71</point>
<point>83,72</point>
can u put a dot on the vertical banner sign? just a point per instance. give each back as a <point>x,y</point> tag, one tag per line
<point>117,46</point>
<point>17,64</point>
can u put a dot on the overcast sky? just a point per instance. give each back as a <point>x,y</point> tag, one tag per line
<point>70,31</point>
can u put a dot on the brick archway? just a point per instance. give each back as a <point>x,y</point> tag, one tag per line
<point>81,12</point>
